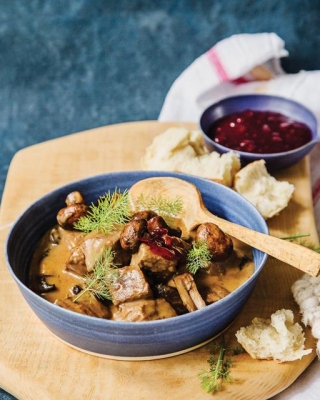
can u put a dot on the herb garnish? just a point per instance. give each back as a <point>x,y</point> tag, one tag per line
<point>111,210</point>
<point>160,205</point>
<point>104,274</point>
<point>311,246</point>
<point>219,371</point>
<point>198,256</point>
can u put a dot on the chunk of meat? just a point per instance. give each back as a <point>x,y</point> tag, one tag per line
<point>87,304</point>
<point>144,310</point>
<point>145,258</point>
<point>130,285</point>
<point>220,244</point>
<point>188,291</point>
<point>76,262</point>
<point>95,244</point>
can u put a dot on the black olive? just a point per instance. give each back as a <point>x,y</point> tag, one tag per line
<point>76,289</point>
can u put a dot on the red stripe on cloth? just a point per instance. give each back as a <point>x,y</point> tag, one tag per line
<point>217,64</point>
<point>316,191</point>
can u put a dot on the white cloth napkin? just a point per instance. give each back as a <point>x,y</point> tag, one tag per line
<point>240,64</point>
<point>246,63</point>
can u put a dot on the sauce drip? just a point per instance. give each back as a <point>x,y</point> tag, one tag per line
<point>260,132</point>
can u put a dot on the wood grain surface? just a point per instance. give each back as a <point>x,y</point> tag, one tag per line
<point>36,365</point>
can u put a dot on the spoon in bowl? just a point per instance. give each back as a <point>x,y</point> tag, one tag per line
<point>195,213</point>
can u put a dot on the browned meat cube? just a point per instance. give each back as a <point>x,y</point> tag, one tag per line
<point>95,243</point>
<point>76,262</point>
<point>87,304</point>
<point>144,310</point>
<point>130,285</point>
<point>144,258</point>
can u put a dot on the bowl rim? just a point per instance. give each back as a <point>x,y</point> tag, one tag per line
<point>101,322</point>
<point>315,133</point>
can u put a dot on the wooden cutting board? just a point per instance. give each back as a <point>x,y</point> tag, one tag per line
<point>36,365</point>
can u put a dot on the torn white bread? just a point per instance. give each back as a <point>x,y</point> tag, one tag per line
<point>306,292</point>
<point>181,150</point>
<point>277,338</point>
<point>267,194</point>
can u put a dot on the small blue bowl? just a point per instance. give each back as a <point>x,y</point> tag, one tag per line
<point>256,102</point>
<point>130,340</point>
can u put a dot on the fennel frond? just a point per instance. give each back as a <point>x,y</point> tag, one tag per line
<point>299,240</point>
<point>104,274</point>
<point>213,379</point>
<point>160,205</point>
<point>111,210</point>
<point>198,257</point>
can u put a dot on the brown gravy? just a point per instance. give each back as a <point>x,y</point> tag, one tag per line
<point>50,260</point>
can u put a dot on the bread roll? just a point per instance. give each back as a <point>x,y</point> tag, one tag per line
<point>278,338</point>
<point>181,150</point>
<point>267,194</point>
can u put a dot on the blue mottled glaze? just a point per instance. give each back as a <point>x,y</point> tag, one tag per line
<point>124,339</point>
<point>261,102</point>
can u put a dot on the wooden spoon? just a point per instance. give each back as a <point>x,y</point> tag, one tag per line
<point>195,213</point>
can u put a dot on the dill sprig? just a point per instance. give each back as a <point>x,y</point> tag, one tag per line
<point>213,379</point>
<point>298,238</point>
<point>160,205</point>
<point>198,256</point>
<point>111,210</point>
<point>104,274</point>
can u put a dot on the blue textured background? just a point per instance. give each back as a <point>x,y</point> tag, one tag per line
<point>71,65</point>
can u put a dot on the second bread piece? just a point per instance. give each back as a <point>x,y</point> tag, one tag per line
<point>267,194</point>
<point>181,150</point>
<point>277,338</point>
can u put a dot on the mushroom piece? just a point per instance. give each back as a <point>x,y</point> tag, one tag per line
<point>215,293</point>
<point>55,236</point>
<point>171,295</point>
<point>219,244</point>
<point>145,214</point>
<point>188,292</point>
<point>67,216</point>
<point>131,234</point>
<point>158,223</point>
<point>42,286</point>
<point>74,198</point>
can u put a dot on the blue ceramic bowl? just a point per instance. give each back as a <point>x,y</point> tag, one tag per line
<point>287,107</point>
<point>130,340</point>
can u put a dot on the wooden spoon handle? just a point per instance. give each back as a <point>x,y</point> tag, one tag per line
<point>296,255</point>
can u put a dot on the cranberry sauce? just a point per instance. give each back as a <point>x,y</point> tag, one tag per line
<point>259,132</point>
